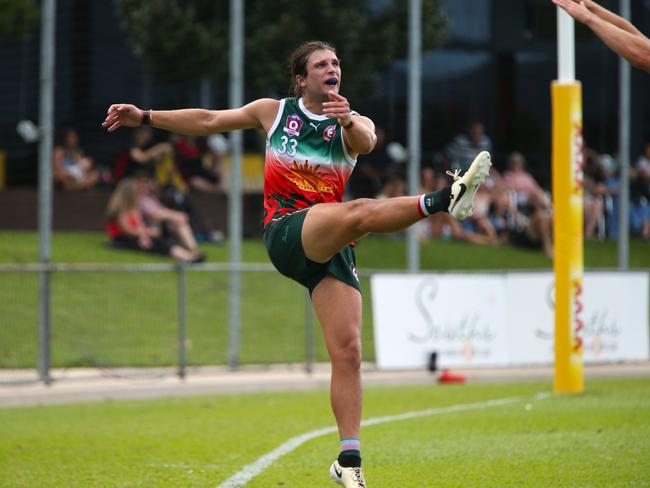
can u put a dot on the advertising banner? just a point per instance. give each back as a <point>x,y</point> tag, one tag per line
<point>502,319</point>
<point>615,317</point>
<point>461,318</point>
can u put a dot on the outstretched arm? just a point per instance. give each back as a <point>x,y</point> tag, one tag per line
<point>196,121</point>
<point>619,35</point>
<point>610,17</point>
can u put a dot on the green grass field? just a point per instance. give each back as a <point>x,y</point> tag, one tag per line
<point>597,439</point>
<point>129,319</point>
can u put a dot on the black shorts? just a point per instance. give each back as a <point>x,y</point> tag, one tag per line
<point>283,242</point>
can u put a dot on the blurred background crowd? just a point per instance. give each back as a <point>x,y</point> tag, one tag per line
<point>487,67</point>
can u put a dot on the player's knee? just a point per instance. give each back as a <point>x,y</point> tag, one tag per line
<point>348,353</point>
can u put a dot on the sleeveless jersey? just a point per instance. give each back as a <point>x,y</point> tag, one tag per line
<point>306,161</point>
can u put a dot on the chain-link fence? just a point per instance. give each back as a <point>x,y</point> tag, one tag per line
<point>153,315</point>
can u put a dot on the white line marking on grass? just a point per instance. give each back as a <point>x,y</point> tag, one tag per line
<point>249,471</point>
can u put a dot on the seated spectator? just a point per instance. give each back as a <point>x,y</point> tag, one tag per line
<point>157,161</point>
<point>611,185</point>
<point>172,223</point>
<point>514,227</point>
<point>530,196</point>
<point>127,229</point>
<point>189,155</point>
<point>595,193</point>
<point>373,170</point>
<point>71,168</point>
<point>640,195</point>
<point>464,147</point>
<point>476,229</point>
<point>145,154</point>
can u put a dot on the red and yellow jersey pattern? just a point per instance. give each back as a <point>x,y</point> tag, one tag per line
<point>306,161</point>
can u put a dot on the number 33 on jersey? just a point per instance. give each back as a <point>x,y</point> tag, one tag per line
<point>306,160</point>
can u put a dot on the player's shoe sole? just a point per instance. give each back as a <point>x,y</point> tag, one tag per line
<point>464,187</point>
<point>348,477</point>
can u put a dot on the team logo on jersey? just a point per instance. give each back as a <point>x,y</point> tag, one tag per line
<point>293,125</point>
<point>329,132</point>
<point>308,178</point>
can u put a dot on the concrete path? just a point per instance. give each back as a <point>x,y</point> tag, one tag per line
<point>21,387</point>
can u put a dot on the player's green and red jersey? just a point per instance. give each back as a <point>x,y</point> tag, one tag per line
<point>306,160</point>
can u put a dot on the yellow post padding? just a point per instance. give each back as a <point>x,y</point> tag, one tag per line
<point>568,165</point>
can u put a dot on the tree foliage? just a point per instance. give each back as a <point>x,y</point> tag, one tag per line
<point>189,39</point>
<point>19,18</point>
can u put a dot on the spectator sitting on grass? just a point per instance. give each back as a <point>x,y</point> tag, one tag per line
<point>71,168</point>
<point>514,227</point>
<point>127,229</point>
<point>172,223</point>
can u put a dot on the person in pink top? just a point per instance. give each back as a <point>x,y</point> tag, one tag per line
<point>171,222</point>
<point>522,183</point>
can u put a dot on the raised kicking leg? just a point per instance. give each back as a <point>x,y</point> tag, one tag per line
<point>329,227</point>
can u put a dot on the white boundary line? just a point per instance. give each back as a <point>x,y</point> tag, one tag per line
<point>249,471</point>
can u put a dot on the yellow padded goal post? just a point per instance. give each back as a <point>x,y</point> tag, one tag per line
<point>568,165</point>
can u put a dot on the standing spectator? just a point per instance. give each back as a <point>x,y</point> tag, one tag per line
<point>465,147</point>
<point>128,230</point>
<point>71,168</point>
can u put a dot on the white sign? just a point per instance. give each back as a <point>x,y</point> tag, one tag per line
<point>615,317</point>
<point>502,319</point>
<point>531,317</point>
<point>462,319</point>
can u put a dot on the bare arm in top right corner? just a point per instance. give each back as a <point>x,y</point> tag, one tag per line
<point>258,114</point>
<point>619,34</point>
<point>610,17</point>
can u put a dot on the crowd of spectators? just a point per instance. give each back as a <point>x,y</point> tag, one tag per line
<point>510,208</point>
<point>149,207</point>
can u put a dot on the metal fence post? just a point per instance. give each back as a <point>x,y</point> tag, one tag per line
<point>309,334</point>
<point>44,327</point>
<point>182,359</point>
<point>46,124</point>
